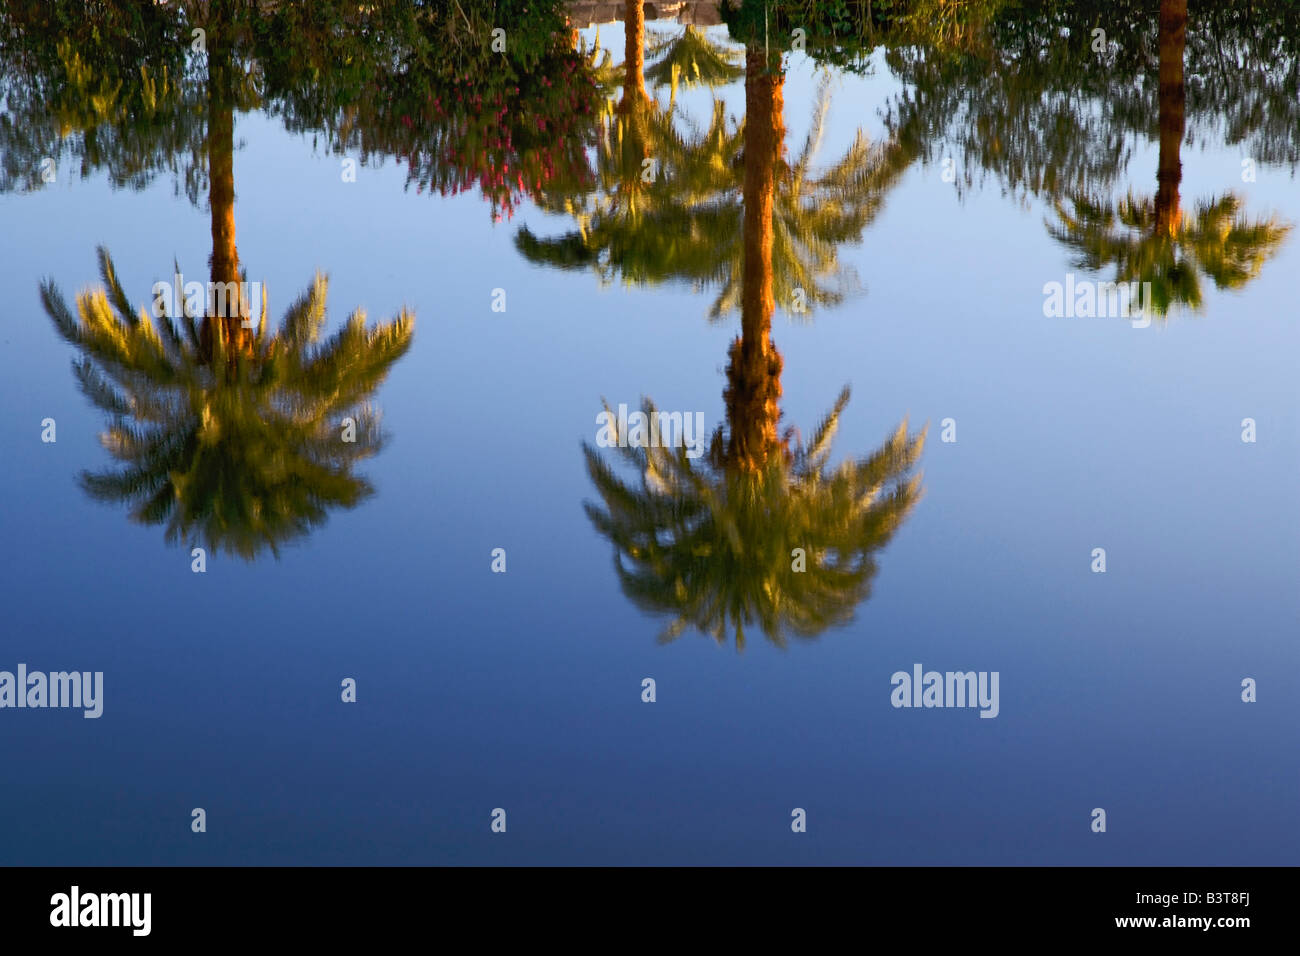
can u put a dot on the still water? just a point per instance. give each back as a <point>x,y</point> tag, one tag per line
<point>842,269</point>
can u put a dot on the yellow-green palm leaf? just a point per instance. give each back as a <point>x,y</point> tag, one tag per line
<point>1216,240</point>
<point>244,451</point>
<point>712,545</point>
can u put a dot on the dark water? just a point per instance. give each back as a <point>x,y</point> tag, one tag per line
<point>475,690</point>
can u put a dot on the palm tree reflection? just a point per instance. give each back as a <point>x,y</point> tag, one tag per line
<point>245,454</point>
<point>227,431</point>
<point>1151,239</point>
<point>716,544</point>
<point>666,206</point>
<point>691,59</point>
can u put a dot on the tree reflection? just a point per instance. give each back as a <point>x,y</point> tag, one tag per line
<point>691,58</point>
<point>683,223</point>
<point>105,87</point>
<point>245,456</point>
<point>1150,239</point>
<point>122,87</point>
<point>717,544</point>
<point>1050,105</point>
<point>229,433</point>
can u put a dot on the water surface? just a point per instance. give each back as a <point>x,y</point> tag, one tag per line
<point>922,293</point>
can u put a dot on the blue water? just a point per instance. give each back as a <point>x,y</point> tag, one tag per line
<point>478,690</point>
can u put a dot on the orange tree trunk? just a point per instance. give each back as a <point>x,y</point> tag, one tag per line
<point>754,370</point>
<point>1172,105</point>
<point>633,55</point>
<point>221,189</point>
